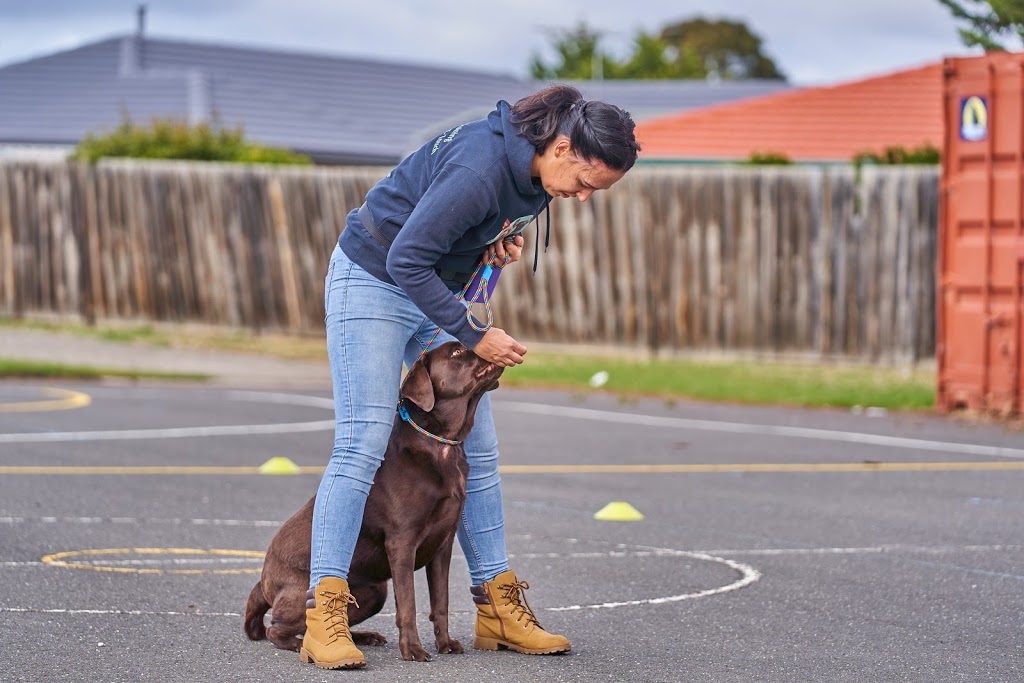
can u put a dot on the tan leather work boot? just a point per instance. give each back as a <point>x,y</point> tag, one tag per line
<point>504,619</point>
<point>328,642</point>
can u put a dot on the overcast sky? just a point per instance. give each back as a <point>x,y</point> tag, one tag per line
<point>812,41</point>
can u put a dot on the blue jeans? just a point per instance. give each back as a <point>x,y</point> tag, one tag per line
<point>372,327</point>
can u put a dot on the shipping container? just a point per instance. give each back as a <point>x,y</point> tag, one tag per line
<point>981,235</point>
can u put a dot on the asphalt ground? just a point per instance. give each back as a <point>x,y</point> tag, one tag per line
<point>777,544</point>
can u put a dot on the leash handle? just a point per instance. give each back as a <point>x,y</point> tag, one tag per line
<point>483,289</point>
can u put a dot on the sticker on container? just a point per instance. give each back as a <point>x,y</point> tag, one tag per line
<point>973,118</point>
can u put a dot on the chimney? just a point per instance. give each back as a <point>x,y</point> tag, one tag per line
<point>132,48</point>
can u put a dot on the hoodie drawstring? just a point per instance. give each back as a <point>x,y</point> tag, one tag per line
<point>547,233</point>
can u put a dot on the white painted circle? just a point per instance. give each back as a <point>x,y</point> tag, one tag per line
<point>746,574</point>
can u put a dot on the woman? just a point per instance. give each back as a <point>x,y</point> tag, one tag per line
<point>393,279</point>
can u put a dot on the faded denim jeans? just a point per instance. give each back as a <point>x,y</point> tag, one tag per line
<point>372,327</point>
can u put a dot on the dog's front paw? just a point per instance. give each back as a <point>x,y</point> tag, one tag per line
<point>413,651</point>
<point>371,638</point>
<point>449,647</point>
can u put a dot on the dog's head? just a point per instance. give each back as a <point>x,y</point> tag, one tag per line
<point>447,383</point>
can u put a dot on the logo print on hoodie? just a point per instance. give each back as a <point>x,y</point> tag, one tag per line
<point>446,137</point>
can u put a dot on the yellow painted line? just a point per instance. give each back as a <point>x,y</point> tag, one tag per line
<point>60,560</point>
<point>63,399</point>
<point>573,469</point>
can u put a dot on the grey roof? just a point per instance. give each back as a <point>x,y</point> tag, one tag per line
<point>337,109</point>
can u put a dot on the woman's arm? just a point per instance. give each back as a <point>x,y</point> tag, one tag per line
<point>456,200</point>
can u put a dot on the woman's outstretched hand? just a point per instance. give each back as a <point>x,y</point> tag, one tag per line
<point>499,348</point>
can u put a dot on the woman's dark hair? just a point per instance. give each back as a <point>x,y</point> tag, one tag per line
<point>596,130</point>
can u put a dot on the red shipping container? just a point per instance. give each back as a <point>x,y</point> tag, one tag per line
<point>981,235</point>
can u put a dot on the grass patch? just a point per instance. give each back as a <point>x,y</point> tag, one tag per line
<point>11,368</point>
<point>125,334</point>
<point>755,383</point>
<point>823,385</point>
<point>187,337</point>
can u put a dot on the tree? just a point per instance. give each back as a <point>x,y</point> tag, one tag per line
<point>654,58</point>
<point>728,49</point>
<point>576,48</point>
<point>990,22</point>
<point>697,48</point>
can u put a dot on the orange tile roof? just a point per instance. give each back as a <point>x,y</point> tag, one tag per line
<point>810,124</point>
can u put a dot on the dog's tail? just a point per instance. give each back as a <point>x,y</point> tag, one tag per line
<point>255,610</point>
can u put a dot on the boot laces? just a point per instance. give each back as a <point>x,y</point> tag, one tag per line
<point>336,613</point>
<point>515,594</point>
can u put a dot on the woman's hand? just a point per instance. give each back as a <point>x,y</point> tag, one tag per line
<point>499,348</point>
<point>512,248</point>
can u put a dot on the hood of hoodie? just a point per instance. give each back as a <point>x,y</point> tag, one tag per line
<point>520,155</point>
<point>519,151</point>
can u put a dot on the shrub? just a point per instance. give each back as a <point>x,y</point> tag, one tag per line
<point>768,159</point>
<point>169,139</point>
<point>925,154</point>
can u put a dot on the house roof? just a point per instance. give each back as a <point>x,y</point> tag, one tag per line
<point>338,109</point>
<point>809,124</point>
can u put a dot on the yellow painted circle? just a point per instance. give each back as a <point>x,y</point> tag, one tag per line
<point>60,399</point>
<point>61,560</point>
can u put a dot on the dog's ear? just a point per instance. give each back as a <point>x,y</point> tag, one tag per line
<point>418,387</point>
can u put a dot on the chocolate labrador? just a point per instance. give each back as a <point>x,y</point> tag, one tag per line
<point>410,519</point>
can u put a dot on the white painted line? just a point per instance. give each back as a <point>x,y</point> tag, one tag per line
<point>892,548</point>
<point>759,429</point>
<point>654,552</point>
<point>283,399</point>
<point>196,432</point>
<point>118,612</point>
<point>169,433</point>
<point>135,520</point>
<point>517,406</point>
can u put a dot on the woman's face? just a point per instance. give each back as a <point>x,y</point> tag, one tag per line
<point>563,174</point>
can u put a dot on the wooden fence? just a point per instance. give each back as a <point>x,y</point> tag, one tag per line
<point>729,259</point>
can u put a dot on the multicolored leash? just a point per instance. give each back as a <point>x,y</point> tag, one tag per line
<point>481,288</point>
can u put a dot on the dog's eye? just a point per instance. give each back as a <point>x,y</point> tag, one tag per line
<point>456,352</point>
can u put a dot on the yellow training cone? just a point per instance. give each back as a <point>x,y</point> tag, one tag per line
<point>618,512</point>
<point>279,465</point>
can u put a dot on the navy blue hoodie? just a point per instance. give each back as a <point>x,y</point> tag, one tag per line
<point>441,207</point>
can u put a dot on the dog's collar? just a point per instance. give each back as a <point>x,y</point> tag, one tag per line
<point>404,414</point>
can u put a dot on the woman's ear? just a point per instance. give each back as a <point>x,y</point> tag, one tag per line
<point>562,146</point>
<point>418,388</point>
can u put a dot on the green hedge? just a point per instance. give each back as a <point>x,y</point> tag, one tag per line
<point>925,154</point>
<point>169,139</point>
